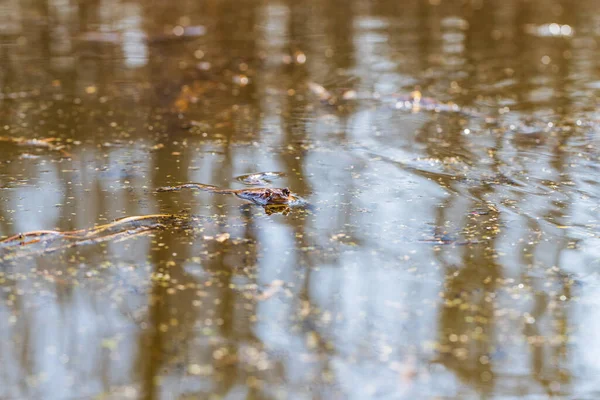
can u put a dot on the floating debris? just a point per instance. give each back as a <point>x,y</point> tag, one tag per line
<point>259,178</point>
<point>445,239</point>
<point>241,80</point>
<point>272,289</point>
<point>415,102</point>
<point>101,37</point>
<point>222,237</point>
<point>178,33</point>
<point>318,90</point>
<point>550,30</point>
<point>325,96</point>
<point>120,229</point>
<point>19,95</point>
<point>190,94</point>
<point>116,37</point>
<point>46,143</point>
<point>298,57</point>
<point>28,156</point>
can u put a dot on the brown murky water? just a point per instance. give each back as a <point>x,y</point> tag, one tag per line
<point>448,152</point>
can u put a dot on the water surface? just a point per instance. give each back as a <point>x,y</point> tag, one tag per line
<point>451,246</point>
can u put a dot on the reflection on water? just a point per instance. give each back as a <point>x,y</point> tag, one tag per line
<point>448,151</point>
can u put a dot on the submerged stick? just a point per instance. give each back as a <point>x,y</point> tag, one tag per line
<point>101,228</point>
<point>117,237</point>
<point>87,236</point>
<point>22,236</point>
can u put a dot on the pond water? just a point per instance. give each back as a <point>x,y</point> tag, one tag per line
<point>448,152</point>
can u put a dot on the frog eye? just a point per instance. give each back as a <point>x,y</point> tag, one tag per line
<point>286,192</point>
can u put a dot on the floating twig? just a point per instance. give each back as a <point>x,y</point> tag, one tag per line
<point>117,230</point>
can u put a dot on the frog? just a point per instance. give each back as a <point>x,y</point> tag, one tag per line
<point>262,196</point>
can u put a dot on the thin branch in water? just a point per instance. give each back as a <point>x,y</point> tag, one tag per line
<point>116,230</point>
